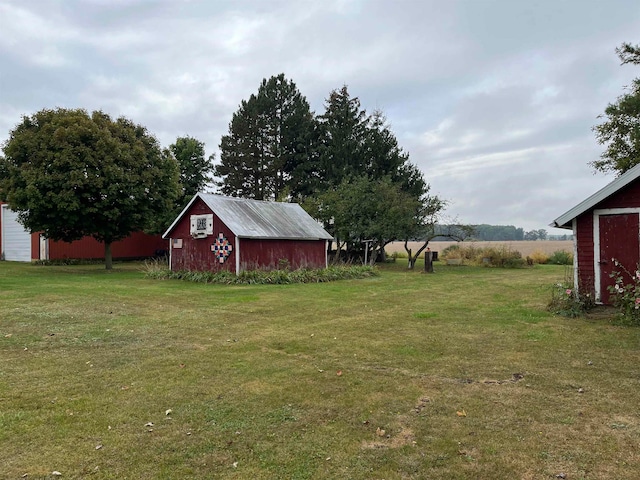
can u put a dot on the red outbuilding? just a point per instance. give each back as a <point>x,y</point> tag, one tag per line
<point>216,232</point>
<point>606,229</point>
<point>18,244</point>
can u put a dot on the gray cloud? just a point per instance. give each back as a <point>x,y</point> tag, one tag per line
<point>493,99</point>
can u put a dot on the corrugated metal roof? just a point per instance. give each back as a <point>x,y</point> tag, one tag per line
<point>258,219</point>
<point>565,220</point>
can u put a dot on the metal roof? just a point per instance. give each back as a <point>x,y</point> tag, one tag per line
<point>565,220</point>
<point>258,219</point>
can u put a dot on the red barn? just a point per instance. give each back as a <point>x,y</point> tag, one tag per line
<point>215,232</point>
<point>606,228</point>
<point>18,244</point>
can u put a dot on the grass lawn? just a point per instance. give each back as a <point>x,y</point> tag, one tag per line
<point>457,375</point>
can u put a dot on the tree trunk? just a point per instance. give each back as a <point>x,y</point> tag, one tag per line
<point>108,259</point>
<point>413,259</point>
<point>411,262</point>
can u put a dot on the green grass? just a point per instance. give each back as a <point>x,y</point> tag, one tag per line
<point>88,358</point>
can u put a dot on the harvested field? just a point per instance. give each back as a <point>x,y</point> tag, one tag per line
<point>524,247</point>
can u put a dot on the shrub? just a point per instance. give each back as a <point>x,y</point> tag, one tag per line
<point>539,257</point>
<point>566,301</point>
<point>626,296</point>
<point>561,257</point>
<point>501,256</point>
<point>263,277</point>
<point>396,255</point>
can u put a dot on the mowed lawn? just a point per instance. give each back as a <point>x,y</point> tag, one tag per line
<point>461,374</point>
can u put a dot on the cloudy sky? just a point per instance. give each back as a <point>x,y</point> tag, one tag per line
<point>493,99</point>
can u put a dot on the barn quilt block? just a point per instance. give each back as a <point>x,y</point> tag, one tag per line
<point>221,248</point>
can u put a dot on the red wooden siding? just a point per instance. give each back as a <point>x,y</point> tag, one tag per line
<point>585,247</point>
<point>269,253</point>
<point>627,197</point>
<point>196,253</point>
<point>137,245</point>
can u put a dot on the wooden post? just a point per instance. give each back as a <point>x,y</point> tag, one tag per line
<point>428,261</point>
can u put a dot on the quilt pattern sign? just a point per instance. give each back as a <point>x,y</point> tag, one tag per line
<point>221,248</point>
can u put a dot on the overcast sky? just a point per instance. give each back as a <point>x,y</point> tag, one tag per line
<point>493,99</point>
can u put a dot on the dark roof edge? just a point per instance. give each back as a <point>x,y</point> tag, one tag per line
<point>564,220</point>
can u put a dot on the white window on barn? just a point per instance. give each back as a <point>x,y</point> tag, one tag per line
<point>201,225</point>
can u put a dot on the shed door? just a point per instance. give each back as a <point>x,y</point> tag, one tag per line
<point>16,241</point>
<point>618,240</point>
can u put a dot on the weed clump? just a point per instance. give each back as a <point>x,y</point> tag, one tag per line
<point>625,293</point>
<point>501,256</point>
<point>568,302</point>
<point>561,257</point>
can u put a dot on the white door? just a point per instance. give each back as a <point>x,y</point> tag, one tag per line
<point>16,241</point>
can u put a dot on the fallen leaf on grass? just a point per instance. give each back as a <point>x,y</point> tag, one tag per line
<point>380,432</point>
<point>461,413</point>
<point>339,373</point>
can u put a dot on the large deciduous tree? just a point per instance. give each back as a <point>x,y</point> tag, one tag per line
<point>69,174</point>
<point>270,141</point>
<point>620,130</point>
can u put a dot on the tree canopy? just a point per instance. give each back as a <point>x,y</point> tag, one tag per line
<point>195,169</point>
<point>69,174</point>
<point>270,139</point>
<point>620,130</point>
<point>344,165</point>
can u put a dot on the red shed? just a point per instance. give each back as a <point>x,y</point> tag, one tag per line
<point>606,228</point>
<point>215,232</point>
<point>18,244</point>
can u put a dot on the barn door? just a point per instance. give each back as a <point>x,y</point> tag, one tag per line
<point>618,240</point>
<point>16,241</point>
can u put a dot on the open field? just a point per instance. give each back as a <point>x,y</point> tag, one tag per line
<point>461,374</point>
<point>524,247</point>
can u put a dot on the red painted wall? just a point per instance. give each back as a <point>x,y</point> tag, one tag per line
<point>196,254</point>
<point>627,197</point>
<point>268,253</point>
<point>585,247</point>
<point>137,245</point>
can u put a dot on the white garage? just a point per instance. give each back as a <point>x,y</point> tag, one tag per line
<point>16,241</point>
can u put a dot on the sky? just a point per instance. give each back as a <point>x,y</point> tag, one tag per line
<point>494,100</point>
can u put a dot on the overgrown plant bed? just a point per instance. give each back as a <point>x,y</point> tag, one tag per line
<point>459,374</point>
<point>263,277</point>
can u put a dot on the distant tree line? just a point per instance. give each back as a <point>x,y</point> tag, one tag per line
<point>486,232</point>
